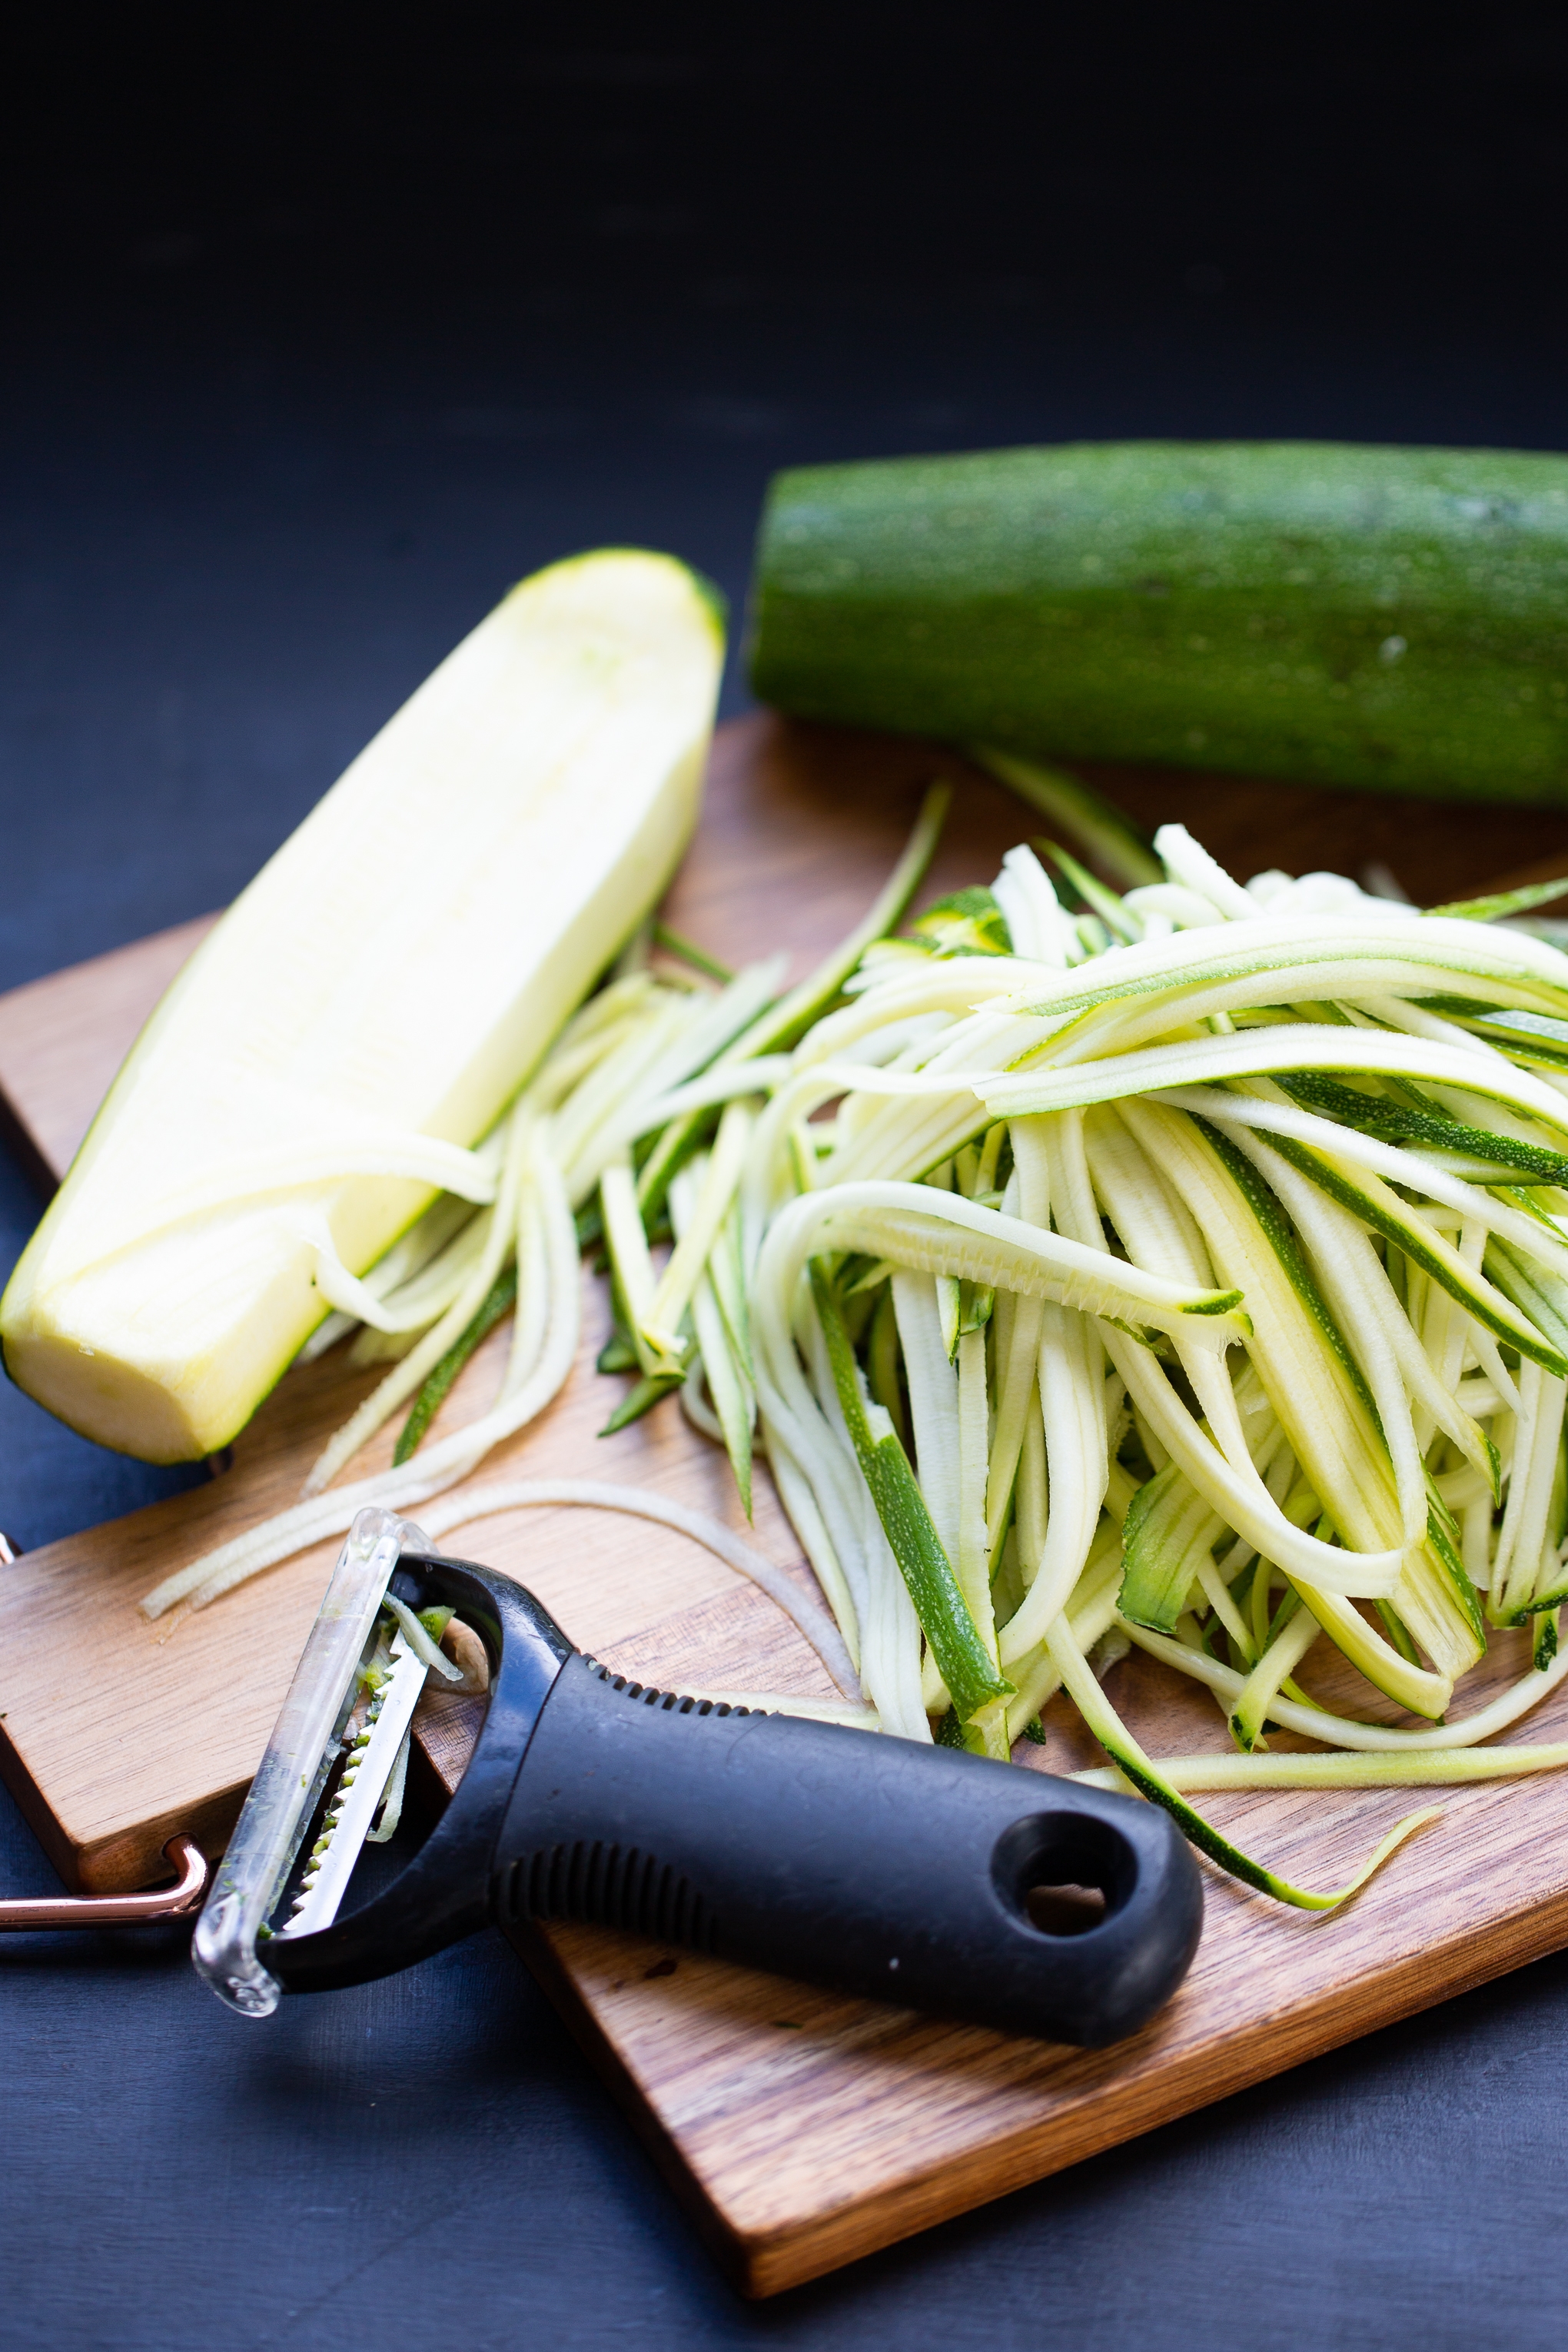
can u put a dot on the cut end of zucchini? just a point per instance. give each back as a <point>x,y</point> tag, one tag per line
<point>112,1400</point>
<point>388,981</point>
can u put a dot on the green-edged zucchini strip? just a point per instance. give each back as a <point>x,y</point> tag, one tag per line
<point>1520,1044</point>
<point>1347,1730</point>
<point>1388,1122</point>
<point>1284,1242</point>
<point>1097,822</point>
<point>1321,958</point>
<point>502,1297</point>
<point>962,1657</point>
<point>686,951</point>
<point>1500,903</point>
<point>1078,1681</point>
<point>782,1026</point>
<point>1500,1207</point>
<point>1280,1659</point>
<point>1105,903</point>
<point>642,1396</point>
<point>1243,1502</point>
<point>1323,1403</point>
<point>1169,1531</point>
<point>1281,1048</point>
<point>942,1233</point>
<point>728,1372</point>
<point>1437,1767</point>
<point>1368,1198</point>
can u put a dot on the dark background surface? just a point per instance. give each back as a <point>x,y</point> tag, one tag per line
<point>321,327</point>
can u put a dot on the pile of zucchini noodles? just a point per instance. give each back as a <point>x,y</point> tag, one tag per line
<point>1184,1267</point>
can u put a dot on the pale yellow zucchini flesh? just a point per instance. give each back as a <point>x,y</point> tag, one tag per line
<point>367,1008</point>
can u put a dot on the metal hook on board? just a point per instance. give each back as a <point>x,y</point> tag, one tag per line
<point>176,1902</point>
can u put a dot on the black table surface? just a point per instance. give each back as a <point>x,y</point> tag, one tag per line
<point>233,535</point>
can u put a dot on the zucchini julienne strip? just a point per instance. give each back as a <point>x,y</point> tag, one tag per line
<point>1097,822</point>
<point>1285,1244</point>
<point>1100,901</point>
<point>1526,1045</point>
<point>1528,1514</point>
<point>543,1350</point>
<point>686,951</point>
<point>709,1206</point>
<point>406,1378</point>
<point>1280,1659</point>
<point>966,1665</point>
<point>1078,1681</point>
<point>647,1391</point>
<point>1372,1201</point>
<point>1500,903</point>
<point>734,1398</point>
<point>941,1233</point>
<point>1316,1390</point>
<point>1323,1403</point>
<point>1169,1529</point>
<point>1493,1204</point>
<point>728,1369</point>
<point>1281,1049</point>
<point>1072,1401</point>
<point>1018,1345</point>
<point>626,1243</point>
<point>1361,1306</point>
<point>1541,1296</point>
<point>1091,1614</point>
<point>1318,958</point>
<point>972,1563</point>
<point>785,1024</point>
<point>503,1297</point>
<point>1388,1122</point>
<point>1434,1594</point>
<point>1343,1768</point>
<point>1348,1732</point>
<point>1236,1491</point>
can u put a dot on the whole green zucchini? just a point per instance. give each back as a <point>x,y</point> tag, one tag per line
<point>1396,619</point>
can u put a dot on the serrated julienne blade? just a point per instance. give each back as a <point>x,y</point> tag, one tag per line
<point>359,1791</point>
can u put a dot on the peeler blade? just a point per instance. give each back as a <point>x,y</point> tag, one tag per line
<point>305,1746</point>
<point>373,1752</point>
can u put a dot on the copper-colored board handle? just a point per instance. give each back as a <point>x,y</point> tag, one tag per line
<point>176,1902</point>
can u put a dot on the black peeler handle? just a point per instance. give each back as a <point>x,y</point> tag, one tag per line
<point>868,1865</point>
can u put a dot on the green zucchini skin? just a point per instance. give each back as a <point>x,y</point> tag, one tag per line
<point>1388,618</point>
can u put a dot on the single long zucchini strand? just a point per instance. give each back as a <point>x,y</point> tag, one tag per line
<point>967,1666</point>
<point>1149,1781</point>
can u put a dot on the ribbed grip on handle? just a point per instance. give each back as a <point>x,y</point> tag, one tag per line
<point>866,1864</point>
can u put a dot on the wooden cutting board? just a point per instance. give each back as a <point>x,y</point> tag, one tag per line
<point>801,2129</point>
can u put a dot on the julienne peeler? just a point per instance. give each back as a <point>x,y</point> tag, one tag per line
<point>866,1864</point>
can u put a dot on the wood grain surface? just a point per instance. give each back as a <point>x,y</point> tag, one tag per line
<point>62,1039</point>
<point>803,2131</point>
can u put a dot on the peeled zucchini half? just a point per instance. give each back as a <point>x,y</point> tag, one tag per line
<point>367,1008</point>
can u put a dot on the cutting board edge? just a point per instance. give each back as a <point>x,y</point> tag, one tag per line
<point>761,2263</point>
<point>127,1858</point>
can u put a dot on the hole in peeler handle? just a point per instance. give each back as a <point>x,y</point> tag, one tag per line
<point>180,1901</point>
<point>1067,1874</point>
